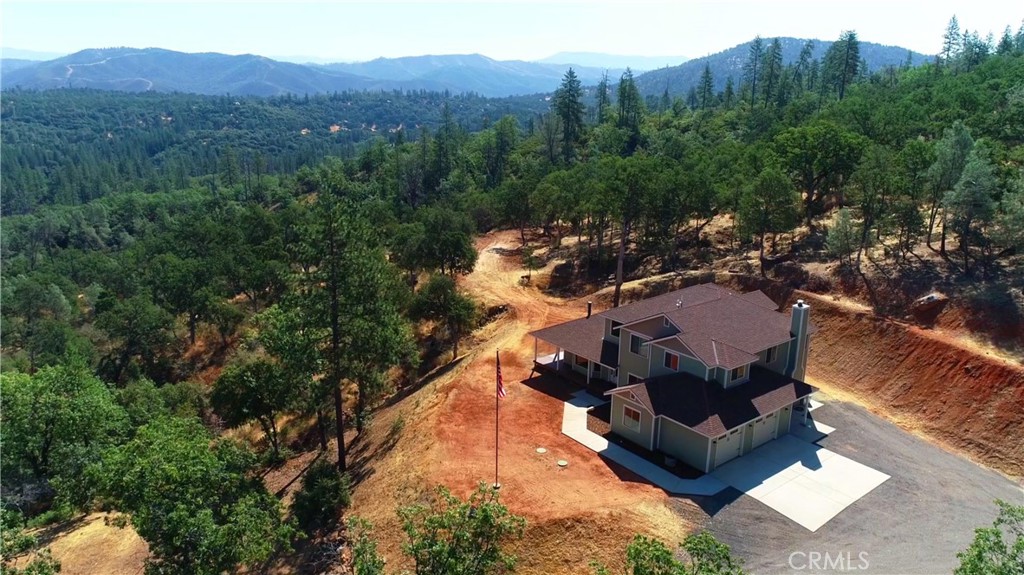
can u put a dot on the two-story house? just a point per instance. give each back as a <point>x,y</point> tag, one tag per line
<point>702,374</point>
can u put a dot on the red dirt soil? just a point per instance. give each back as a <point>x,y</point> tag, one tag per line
<point>588,510</point>
<point>924,379</point>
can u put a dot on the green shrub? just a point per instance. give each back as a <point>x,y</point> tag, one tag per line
<point>323,495</point>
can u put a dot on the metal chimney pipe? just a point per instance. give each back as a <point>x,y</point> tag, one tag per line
<point>590,306</point>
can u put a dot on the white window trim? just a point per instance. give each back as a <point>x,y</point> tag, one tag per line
<point>665,361</point>
<point>740,377</point>
<point>642,350</point>
<point>626,420</point>
<point>768,354</point>
<point>611,330</point>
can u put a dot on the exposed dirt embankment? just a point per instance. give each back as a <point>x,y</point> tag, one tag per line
<point>924,380</point>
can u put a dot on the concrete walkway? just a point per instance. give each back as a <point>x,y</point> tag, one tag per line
<point>574,424</point>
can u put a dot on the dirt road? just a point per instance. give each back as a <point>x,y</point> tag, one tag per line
<point>585,511</point>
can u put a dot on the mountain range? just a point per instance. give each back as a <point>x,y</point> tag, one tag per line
<point>729,63</point>
<point>156,69</point>
<point>136,70</point>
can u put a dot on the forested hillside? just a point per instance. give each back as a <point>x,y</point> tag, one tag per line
<point>678,80</point>
<point>71,146</point>
<point>177,266</point>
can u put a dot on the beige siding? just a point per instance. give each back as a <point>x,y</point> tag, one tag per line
<point>722,376</point>
<point>687,364</point>
<point>785,417</point>
<point>683,443</point>
<point>640,437</point>
<point>630,362</point>
<point>779,365</point>
<point>570,359</point>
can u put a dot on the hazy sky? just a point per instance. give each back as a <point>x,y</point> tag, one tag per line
<point>346,31</point>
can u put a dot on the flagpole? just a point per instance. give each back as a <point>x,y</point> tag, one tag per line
<point>497,386</point>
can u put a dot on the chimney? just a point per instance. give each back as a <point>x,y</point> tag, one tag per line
<point>796,366</point>
<point>590,306</point>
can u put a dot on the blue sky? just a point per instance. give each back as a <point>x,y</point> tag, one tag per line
<point>350,31</point>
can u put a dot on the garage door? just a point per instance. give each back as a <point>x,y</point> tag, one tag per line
<point>764,430</point>
<point>729,447</point>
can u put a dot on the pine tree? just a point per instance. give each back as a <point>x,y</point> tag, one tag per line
<point>1005,43</point>
<point>951,42</point>
<point>771,69</point>
<point>729,95</point>
<point>706,87</point>
<point>803,67</point>
<point>603,101</point>
<point>631,110</point>
<point>569,106</point>
<point>851,60</point>
<point>752,69</point>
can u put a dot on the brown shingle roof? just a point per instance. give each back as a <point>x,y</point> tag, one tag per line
<point>722,328</point>
<point>582,337</point>
<point>711,410</point>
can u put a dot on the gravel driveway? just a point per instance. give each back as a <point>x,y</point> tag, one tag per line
<point>914,523</point>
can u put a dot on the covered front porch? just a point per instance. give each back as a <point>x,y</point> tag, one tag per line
<point>585,373</point>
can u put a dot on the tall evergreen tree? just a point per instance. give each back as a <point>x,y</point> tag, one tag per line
<point>707,87</point>
<point>803,67</point>
<point>1005,42</point>
<point>771,70</point>
<point>951,42</point>
<point>729,94</point>
<point>847,71</point>
<point>569,107</point>
<point>631,110</point>
<point>752,68</point>
<point>603,99</point>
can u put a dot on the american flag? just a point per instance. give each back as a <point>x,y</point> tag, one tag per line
<point>501,384</point>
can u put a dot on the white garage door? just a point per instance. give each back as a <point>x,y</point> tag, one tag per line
<point>729,447</point>
<point>764,430</point>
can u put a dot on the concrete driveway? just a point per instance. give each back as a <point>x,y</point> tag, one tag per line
<point>914,523</point>
<point>805,482</point>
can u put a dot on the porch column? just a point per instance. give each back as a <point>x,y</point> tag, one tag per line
<point>534,350</point>
<point>590,368</point>
<point>558,358</point>
<point>807,406</point>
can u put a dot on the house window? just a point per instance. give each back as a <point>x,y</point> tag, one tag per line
<point>632,379</point>
<point>739,373</point>
<point>635,345</point>
<point>771,355</point>
<point>581,361</point>
<point>631,418</point>
<point>615,328</point>
<point>672,361</point>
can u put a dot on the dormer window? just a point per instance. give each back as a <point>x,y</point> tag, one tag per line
<point>738,373</point>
